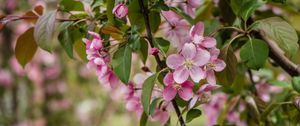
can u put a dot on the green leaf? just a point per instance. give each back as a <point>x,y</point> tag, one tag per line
<point>227,13</point>
<point>153,105</point>
<point>144,119</point>
<point>154,18</point>
<point>282,33</point>
<point>162,44</point>
<point>249,7</point>
<point>26,47</point>
<point>147,92</point>
<point>229,73</point>
<point>143,50</point>
<point>254,53</point>
<point>71,5</point>
<point>192,114</point>
<point>283,83</point>
<point>135,15</point>
<point>44,30</point>
<point>109,6</point>
<point>80,49</point>
<point>296,83</point>
<point>121,63</point>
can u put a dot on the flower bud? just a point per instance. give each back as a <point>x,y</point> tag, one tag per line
<point>153,51</point>
<point>120,10</point>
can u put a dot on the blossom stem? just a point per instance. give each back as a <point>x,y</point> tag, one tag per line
<point>160,63</point>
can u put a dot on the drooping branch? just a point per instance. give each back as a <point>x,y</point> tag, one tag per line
<point>160,63</point>
<point>277,55</point>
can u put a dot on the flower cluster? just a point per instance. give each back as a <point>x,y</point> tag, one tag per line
<point>198,59</point>
<point>99,59</point>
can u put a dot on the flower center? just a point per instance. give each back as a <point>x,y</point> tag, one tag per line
<point>210,66</point>
<point>188,63</point>
<point>177,86</point>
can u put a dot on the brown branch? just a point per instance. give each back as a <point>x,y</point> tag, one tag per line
<point>160,63</point>
<point>276,54</point>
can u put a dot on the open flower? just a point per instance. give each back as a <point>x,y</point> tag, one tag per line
<point>120,10</point>
<point>197,36</point>
<point>185,89</point>
<point>202,94</point>
<point>214,64</point>
<point>188,63</point>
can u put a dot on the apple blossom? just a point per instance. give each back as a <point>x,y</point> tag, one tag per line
<point>214,65</point>
<point>197,36</point>
<point>120,10</point>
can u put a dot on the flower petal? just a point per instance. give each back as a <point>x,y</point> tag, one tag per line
<point>209,42</point>
<point>202,57</point>
<point>174,61</point>
<point>186,93</point>
<point>181,74</point>
<point>210,77</point>
<point>197,29</point>
<point>168,79</point>
<point>214,53</point>
<point>219,65</point>
<point>197,74</point>
<point>193,102</point>
<point>189,51</point>
<point>208,87</point>
<point>169,93</point>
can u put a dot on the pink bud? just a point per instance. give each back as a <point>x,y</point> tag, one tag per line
<point>120,10</point>
<point>153,51</point>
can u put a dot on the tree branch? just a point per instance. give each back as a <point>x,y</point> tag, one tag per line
<point>279,57</point>
<point>160,63</point>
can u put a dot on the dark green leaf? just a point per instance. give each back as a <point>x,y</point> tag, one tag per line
<point>135,15</point>
<point>153,105</point>
<point>121,63</point>
<point>162,44</point>
<point>245,8</point>
<point>143,50</point>
<point>144,119</point>
<point>25,47</point>
<point>192,114</point>
<point>254,53</point>
<point>282,33</point>
<point>147,92</point>
<point>44,30</point>
<point>154,18</point>
<point>71,5</point>
<point>296,84</point>
<point>226,11</point>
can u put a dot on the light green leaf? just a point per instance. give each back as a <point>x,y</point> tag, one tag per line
<point>282,33</point>
<point>44,30</point>
<point>254,53</point>
<point>192,114</point>
<point>26,47</point>
<point>109,12</point>
<point>121,63</point>
<point>147,92</point>
<point>71,5</point>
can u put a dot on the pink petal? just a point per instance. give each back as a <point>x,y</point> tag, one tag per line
<point>168,79</point>
<point>197,29</point>
<point>197,74</point>
<point>193,102</point>
<point>202,57</point>
<point>189,51</point>
<point>94,34</point>
<point>171,16</point>
<point>186,92</point>
<point>209,42</point>
<point>194,3</point>
<point>174,61</point>
<point>187,84</point>
<point>210,77</point>
<point>169,93</point>
<point>208,87</point>
<point>181,74</point>
<point>219,65</point>
<point>214,53</point>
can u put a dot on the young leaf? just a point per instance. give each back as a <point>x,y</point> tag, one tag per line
<point>144,119</point>
<point>282,33</point>
<point>254,53</point>
<point>192,114</point>
<point>71,5</point>
<point>44,30</point>
<point>147,92</point>
<point>25,47</point>
<point>296,83</point>
<point>121,63</point>
<point>162,44</point>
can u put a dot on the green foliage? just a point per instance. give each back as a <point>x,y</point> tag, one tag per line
<point>192,114</point>
<point>245,8</point>
<point>135,15</point>
<point>26,47</point>
<point>282,33</point>
<point>44,30</point>
<point>296,84</point>
<point>143,50</point>
<point>121,63</point>
<point>109,6</point>
<point>147,89</point>
<point>254,53</point>
<point>162,44</point>
<point>183,15</point>
<point>154,18</point>
<point>144,119</point>
<point>71,5</point>
<point>153,106</point>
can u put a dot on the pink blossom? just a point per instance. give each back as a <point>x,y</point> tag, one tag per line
<point>188,63</point>
<point>185,89</point>
<point>175,29</point>
<point>6,78</point>
<point>190,6</point>
<point>153,51</point>
<point>120,10</point>
<point>161,116</point>
<point>197,36</point>
<point>214,64</point>
<point>202,94</point>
